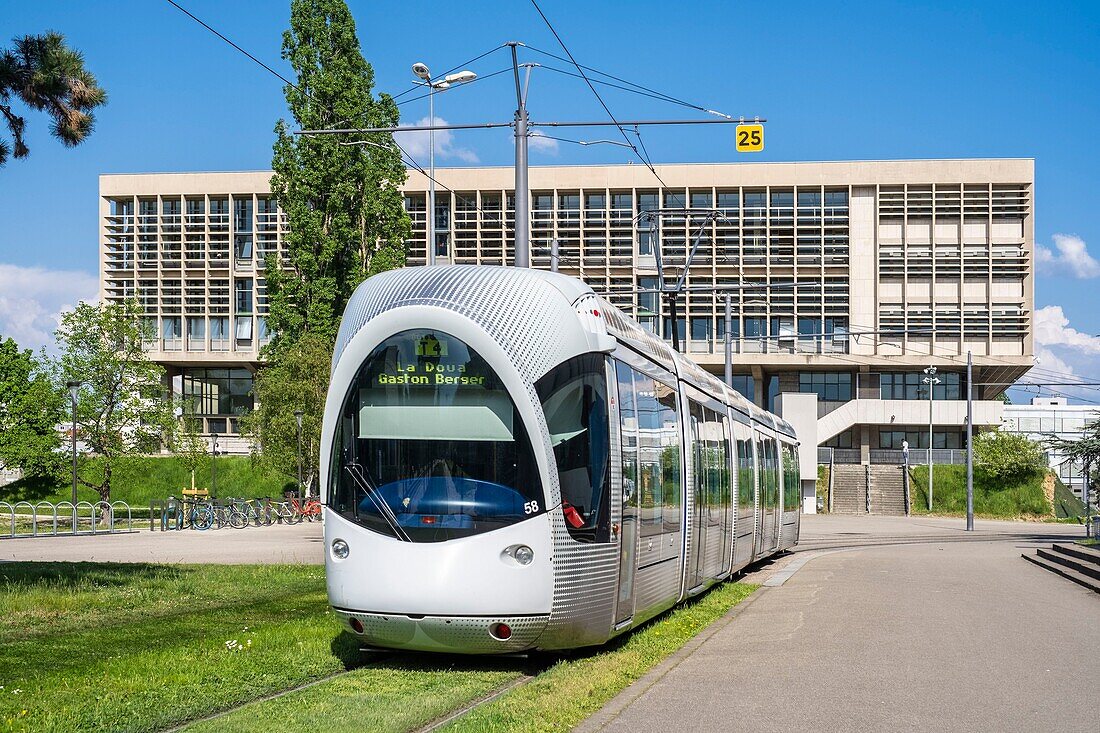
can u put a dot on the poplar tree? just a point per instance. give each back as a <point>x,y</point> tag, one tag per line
<point>343,202</point>
<point>346,222</point>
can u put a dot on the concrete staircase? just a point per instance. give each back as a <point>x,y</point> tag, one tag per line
<point>887,489</point>
<point>849,489</point>
<point>1075,562</point>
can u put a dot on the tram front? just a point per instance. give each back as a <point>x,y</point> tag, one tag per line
<point>437,530</point>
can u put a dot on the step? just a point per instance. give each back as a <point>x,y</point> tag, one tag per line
<point>1088,554</point>
<point>1074,563</point>
<point>1079,578</point>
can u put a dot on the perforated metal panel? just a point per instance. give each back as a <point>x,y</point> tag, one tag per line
<point>458,634</point>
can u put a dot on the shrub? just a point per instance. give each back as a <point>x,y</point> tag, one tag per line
<point>1007,456</point>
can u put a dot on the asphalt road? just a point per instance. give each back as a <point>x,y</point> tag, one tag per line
<point>891,624</point>
<point>301,543</point>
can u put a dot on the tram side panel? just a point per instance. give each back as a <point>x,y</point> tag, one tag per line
<point>745,515</point>
<point>792,490</point>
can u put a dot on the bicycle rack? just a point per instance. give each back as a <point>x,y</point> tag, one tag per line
<point>46,518</point>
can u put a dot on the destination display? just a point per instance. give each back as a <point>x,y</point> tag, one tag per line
<point>433,366</point>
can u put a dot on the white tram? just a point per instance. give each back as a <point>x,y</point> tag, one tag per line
<point>514,464</point>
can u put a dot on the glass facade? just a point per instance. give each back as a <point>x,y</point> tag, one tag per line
<point>892,439</point>
<point>208,392</point>
<point>910,386</point>
<point>828,386</point>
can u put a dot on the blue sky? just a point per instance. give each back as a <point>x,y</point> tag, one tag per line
<point>836,81</point>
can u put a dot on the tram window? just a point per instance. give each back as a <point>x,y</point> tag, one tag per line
<point>745,480</point>
<point>574,400</point>
<point>628,420</point>
<point>792,481</point>
<point>670,457</point>
<point>430,445</point>
<point>658,450</point>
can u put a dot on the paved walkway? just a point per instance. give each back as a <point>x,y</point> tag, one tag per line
<point>300,543</point>
<point>905,624</point>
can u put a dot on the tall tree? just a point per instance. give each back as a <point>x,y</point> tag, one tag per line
<point>121,410</point>
<point>30,410</point>
<point>50,77</point>
<point>342,202</point>
<point>297,380</point>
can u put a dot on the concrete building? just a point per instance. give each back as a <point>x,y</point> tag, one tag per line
<point>852,276</point>
<point>1053,416</point>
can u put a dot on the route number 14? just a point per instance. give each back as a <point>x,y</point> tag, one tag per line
<point>750,138</point>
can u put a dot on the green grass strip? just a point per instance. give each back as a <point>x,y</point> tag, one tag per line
<point>406,694</point>
<point>572,690</point>
<point>393,696</point>
<point>96,647</point>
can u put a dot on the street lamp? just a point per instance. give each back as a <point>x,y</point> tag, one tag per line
<point>298,417</point>
<point>74,393</point>
<point>214,466</point>
<point>421,71</point>
<point>931,380</point>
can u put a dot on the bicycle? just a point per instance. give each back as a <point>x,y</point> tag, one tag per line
<point>310,509</point>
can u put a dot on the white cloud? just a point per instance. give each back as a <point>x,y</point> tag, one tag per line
<point>1052,329</point>
<point>542,144</point>
<point>1063,354</point>
<point>1072,258</point>
<point>416,144</point>
<point>32,300</point>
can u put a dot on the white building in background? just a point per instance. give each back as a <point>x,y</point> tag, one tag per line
<point>1047,416</point>
<point>851,276</point>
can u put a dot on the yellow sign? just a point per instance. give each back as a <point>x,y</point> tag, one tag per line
<point>750,138</point>
<point>430,346</point>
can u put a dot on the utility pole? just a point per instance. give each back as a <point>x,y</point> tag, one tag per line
<point>729,343</point>
<point>523,214</point>
<point>969,442</point>
<point>931,380</point>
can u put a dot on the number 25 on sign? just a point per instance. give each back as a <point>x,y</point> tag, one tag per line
<point>750,138</point>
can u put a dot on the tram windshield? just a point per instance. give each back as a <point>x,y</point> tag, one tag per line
<point>430,445</point>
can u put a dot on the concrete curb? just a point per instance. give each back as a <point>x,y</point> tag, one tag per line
<point>605,715</point>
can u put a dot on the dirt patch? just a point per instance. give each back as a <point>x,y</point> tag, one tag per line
<point>1048,491</point>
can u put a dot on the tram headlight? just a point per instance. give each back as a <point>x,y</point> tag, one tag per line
<point>340,549</point>
<point>524,555</point>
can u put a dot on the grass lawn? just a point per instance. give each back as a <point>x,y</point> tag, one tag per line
<point>375,699</point>
<point>1020,500</point>
<point>96,647</point>
<point>137,480</point>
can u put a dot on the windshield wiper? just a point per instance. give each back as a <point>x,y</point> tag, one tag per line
<point>368,488</point>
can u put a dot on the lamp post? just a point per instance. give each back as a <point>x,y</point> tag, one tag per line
<point>74,393</point>
<point>214,467</point>
<point>969,442</point>
<point>931,380</point>
<point>298,418</point>
<point>421,71</point>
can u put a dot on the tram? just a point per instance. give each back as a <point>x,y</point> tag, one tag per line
<point>510,463</point>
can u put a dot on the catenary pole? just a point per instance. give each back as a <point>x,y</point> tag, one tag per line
<point>729,344</point>
<point>969,442</point>
<point>523,220</point>
<point>431,178</point>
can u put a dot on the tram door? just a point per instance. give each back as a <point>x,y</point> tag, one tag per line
<point>700,518</point>
<point>628,528</point>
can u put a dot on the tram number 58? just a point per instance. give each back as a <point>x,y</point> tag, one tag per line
<point>530,507</point>
<point>750,138</point>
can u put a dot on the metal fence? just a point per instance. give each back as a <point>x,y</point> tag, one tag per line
<point>43,518</point>
<point>917,456</point>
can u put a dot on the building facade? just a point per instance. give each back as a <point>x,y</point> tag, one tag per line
<point>1045,417</point>
<point>844,279</point>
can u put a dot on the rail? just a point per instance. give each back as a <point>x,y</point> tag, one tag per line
<point>46,519</point>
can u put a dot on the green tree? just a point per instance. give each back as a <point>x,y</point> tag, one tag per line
<point>1007,456</point>
<point>47,76</point>
<point>1085,449</point>
<point>191,447</point>
<point>297,380</point>
<point>122,410</point>
<point>343,202</point>
<point>30,410</point>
